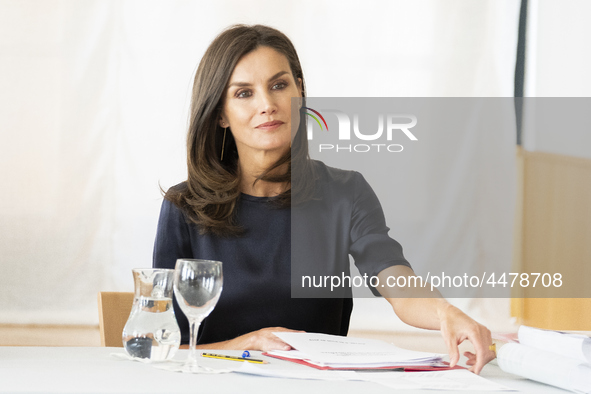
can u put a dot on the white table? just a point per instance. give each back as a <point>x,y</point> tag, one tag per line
<point>94,370</point>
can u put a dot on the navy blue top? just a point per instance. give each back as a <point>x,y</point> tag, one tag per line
<point>257,266</point>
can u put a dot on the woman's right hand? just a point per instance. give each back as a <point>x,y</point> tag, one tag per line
<point>263,340</point>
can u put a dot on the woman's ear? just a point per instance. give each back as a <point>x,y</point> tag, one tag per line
<point>223,123</point>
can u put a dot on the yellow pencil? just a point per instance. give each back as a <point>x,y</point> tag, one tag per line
<point>232,358</point>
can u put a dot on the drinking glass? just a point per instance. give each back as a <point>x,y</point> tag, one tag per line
<point>197,287</point>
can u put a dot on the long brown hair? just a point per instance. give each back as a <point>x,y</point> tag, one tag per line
<point>212,190</point>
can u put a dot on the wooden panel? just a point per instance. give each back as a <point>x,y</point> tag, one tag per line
<point>558,313</point>
<point>48,335</point>
<point>114,309</point>
<point>557,235</point>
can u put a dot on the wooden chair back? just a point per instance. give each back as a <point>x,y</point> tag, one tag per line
<point>114,309</point>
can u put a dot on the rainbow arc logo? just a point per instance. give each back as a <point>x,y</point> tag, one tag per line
<point>316,119</point>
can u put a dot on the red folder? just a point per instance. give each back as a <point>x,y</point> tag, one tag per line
<point>405,368</point>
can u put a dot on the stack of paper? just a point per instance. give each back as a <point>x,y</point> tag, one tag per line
<point>456,380</point>
<point>336,352</point>
<point>551,357</point>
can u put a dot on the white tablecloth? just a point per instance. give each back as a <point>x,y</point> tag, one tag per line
<point>94,370</point>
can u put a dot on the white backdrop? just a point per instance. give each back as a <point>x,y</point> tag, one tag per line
<point>558,64</point>
<point>93,113</point>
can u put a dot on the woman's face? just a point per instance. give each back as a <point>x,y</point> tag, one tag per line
<point>257,105</point>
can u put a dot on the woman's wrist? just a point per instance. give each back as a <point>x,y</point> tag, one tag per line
<point>444,309</point>
<point>245,342</point>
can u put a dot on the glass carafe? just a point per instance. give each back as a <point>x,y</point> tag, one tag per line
<point>151,331</point>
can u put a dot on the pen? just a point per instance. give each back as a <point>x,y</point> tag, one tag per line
<point>232,358</point>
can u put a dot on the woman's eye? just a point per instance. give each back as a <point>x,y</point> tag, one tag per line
<point>279,85</point>
<point>243,94</point>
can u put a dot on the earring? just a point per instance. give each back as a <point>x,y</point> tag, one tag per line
<point>223,144</point>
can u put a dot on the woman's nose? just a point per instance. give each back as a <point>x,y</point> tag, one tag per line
<point>267,104</point>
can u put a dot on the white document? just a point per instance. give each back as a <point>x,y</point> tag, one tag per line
<point>442,380</point>
<point>569,345</point>
<point>341,351</point>
<point>310,373</point>
<point>297,355</point>
<point>546,367</point>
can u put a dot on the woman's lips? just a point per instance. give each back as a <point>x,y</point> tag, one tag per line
<point>270,125</point>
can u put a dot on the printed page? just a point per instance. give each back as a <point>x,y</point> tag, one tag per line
<point>330,349</point>
<point>297,355</point>
<point>569,345</point>
<point>313,374</point>
<point>445,380</point>
<point>456,380</point>
<point>542,366</point>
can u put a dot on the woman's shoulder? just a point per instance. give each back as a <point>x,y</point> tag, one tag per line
<point>174,200</point>
<point>178,188</point>
<point>175,194</point>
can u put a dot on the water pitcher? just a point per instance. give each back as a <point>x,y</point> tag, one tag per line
<point>151,331</point>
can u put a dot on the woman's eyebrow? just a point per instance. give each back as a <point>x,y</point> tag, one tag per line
<point>241,84</point>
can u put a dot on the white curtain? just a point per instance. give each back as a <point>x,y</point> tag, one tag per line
<point>94,99</point>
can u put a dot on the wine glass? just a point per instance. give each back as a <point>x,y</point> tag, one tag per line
<point>197,287</point>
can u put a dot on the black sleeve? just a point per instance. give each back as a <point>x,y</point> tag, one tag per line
<point>173,241</point>
<point>371,246</point>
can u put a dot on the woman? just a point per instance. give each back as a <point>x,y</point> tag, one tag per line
<point>236,207</point>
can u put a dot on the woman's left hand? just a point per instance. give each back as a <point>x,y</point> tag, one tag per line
<point>456,327</point>
<point>422,307</point>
